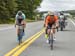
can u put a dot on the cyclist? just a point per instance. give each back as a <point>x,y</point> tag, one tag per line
<point>62,17</point>
<point>20,20</point>
<point>51,21</point>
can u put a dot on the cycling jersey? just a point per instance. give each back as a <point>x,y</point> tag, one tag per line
<point>51,19</point>
<point>19,19</point>
<point>24,17</point>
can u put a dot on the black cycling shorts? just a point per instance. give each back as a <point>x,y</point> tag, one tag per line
<point>19,22</point>
<point>50,25</point>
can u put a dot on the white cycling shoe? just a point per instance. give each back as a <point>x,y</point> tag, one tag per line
<point>47,41</point>
<point>54,38</point>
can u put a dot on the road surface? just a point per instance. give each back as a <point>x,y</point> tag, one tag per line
<point>63,46</point>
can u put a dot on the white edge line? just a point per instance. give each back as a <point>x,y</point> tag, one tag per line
<point>5,28</point>
<point>72,22</point>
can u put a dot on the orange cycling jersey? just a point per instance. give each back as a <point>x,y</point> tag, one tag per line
<point>50,19</point>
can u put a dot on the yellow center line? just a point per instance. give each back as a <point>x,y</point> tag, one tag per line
<point>18,52</point>
<point>19,46</point>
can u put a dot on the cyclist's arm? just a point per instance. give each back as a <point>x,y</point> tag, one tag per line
<point>47,21</point>
<point>56,21</point>
<point>24,21</point>
<point>44,21</point>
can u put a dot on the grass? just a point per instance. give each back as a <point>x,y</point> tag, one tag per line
<point>29,20</point>
<point>12,20</point>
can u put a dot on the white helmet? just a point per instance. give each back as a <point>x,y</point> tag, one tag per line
<point>50,13</point>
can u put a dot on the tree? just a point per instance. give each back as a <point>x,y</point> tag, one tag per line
<point>8,8</point>
<point>28,6</point>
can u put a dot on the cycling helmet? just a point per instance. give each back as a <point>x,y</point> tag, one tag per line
<point>19,13</point>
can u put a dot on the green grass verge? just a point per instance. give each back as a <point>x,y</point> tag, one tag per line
<point>29,20</point>
<point>12,20</point>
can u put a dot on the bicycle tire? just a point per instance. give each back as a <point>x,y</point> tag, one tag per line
<point>51,41</point>
<point>48,39</point>
<point>61,28</point>
<point>51,47</point>
<point>20,37</point>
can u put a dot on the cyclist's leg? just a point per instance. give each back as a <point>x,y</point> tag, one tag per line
<point>64,23</point>
<point>57,25</point>
<point>17,29</point>
<point>49,29</point>
<point>45,30</point>
<point>23,29</point>
<point>23,32</point>
<point>46,35</point>
<point>53,26</point>
<point>21,36</point>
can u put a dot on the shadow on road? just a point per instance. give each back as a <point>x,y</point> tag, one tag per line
<point>68,30</point>
<point>61,46</point>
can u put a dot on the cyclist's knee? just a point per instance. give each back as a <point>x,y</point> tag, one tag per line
<point>48,31</point>
<point>17,31</point>
<point>53,30</point>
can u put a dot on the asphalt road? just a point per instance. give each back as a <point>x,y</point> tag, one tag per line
<point>8,38</point>
<point>63,46</point>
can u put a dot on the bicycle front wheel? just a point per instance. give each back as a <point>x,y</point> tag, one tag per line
<point>51,42</point>
<point>20,36</point>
